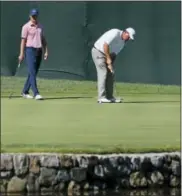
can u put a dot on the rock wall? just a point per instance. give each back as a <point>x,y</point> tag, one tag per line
<point>72,173</point>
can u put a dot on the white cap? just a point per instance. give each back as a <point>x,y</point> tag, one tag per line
<point>131,32</point>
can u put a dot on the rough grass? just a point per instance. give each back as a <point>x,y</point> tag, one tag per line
<point>67,87</point>
<point>70,120</point>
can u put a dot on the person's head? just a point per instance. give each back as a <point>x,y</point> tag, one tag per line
<point>34,13</point>
<point>128,34</point>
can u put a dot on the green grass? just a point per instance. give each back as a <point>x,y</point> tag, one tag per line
<point>70,120</point>
<point>67,87</point>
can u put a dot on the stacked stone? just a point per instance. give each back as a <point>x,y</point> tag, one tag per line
<point>74,173</point>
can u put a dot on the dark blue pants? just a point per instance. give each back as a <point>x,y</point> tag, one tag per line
<point>33,59</point>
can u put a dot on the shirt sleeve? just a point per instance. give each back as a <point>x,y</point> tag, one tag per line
<point>110,37</point>
<point>24,32</point>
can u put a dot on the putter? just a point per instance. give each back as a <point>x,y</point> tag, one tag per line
<point>11,94</point>
<point>115,87</point>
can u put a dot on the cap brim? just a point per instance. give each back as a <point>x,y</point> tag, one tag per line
<point>131,37</point>
<point>34,14</point>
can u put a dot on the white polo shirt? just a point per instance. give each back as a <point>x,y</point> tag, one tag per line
<point>113,39</point>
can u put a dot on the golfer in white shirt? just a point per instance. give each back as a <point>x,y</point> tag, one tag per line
<point>104,52</point>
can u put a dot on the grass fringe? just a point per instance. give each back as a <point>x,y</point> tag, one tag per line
<point>116,150</point>
<point>84,88</point>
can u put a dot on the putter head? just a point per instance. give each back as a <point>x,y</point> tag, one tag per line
<point>117,100</point>
<point>10,96</point>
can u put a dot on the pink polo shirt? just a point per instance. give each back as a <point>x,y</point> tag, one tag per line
<point>33,34</point>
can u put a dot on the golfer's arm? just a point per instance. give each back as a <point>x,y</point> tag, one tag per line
<point>107,51</point>
<point>44,44</point>
<point>22,46</point>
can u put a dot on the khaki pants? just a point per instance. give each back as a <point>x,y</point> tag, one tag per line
<point>105,78</point>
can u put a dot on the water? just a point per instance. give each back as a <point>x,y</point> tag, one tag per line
<point>146,192</point>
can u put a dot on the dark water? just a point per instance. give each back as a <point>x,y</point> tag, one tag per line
<point>156,192</point>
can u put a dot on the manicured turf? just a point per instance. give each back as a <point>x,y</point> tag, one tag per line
<point>70,120</point>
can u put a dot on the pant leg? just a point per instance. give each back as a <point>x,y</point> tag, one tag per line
<point>110,81</point>
<point>38,60</point>
<point>109,85</point>
<point>31,64</point>
<point>27,85</point>
<point>99,60</point>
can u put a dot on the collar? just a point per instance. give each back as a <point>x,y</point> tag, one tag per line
<point>121,33</point>
<point>33,25</point>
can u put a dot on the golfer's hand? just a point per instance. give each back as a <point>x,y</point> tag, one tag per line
<point>20,58</point>
<point>108,61</point>
<point>45,56</point>
<point>110,67</point>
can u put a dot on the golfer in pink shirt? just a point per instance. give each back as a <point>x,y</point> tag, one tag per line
<point>33,44</point>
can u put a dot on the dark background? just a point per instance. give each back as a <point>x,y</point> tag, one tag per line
<point>72,28</point>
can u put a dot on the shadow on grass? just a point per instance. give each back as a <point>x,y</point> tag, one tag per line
<point>89,97</point>
<point>11,97</point>
<point>167,101</point>
<point>79,97</point>
<point>50,98</point>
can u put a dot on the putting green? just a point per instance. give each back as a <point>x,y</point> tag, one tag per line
<point>143,123</point>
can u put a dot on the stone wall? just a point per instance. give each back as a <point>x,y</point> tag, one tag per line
<point>72,173</point>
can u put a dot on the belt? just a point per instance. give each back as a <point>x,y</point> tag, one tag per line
<point>98,50</point>
<point>29,47</point>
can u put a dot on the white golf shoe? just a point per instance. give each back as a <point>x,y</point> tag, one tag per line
<point>104,100</point>
<point>114,100</point>
<point>27,96</point>
<point>38,97</point>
